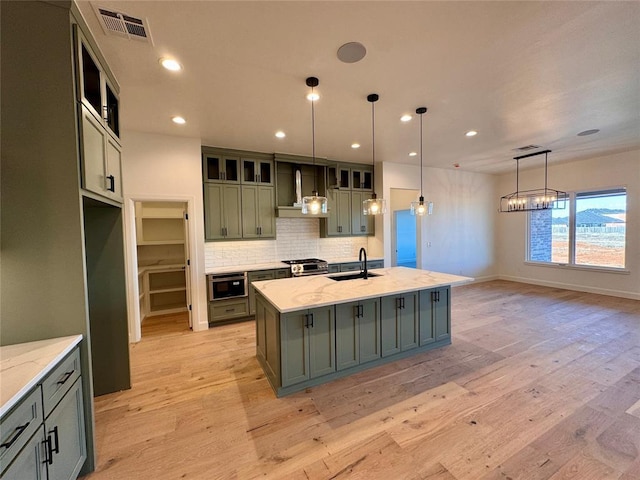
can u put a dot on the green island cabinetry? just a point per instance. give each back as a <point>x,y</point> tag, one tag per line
<point>303,348</point>
<point>357,332</point>
<point>400,321</point>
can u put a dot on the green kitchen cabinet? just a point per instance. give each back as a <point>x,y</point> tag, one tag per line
<point>257,171</point>
<point>400,323</point>
<point>351,267</point>
<point>357,333</point>
<point>339,221</point>
<point>257,276</point>
<point>362,178</point>
<point>375,264</point>
<point>308,341</point>
<point>223,214</point>
<point>361,224</point>
<point>220,168</point>
<point>435,315</point>
<point>30,462</point>
<point>258,212</point>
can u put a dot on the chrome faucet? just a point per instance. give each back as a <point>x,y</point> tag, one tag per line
<point>364,271</point>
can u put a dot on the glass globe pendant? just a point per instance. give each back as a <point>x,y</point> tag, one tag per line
<point>373,205</point>
<point>420,208</point>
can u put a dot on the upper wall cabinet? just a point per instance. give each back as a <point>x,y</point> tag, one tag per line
<point>256,171</point>
<point>95,90</point>
<point>98,110</point>
<point>221,168</point>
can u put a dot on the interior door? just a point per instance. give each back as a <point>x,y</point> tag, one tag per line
<point>405,237</point>
<point>187,265</point>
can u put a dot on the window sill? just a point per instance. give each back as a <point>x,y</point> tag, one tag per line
<point>589,268</point>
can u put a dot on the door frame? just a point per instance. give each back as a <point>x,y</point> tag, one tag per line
<point>131,258</point>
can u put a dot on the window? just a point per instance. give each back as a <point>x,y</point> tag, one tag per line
<point>590,231</point>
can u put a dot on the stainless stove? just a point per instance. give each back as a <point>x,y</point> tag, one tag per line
<point>307,266</point>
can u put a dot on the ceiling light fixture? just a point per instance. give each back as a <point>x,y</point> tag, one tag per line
<point>412,154</point>
<point>280,134</point>
<point>538,199</point>
<point>355,145</point>
<point>178,120</point>
<point>171,64</point>
<point>419,208</point>
<point>373,205</point>
<point>405,118</point>
<point>471,133</point>
<point>314,204</point>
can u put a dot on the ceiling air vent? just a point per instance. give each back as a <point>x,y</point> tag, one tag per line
<point>123,25</point>
<point>526,148</point>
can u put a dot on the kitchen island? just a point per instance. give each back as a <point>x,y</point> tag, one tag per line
<point>314,329</point>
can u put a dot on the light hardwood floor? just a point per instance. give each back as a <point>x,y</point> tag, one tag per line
<point>539,383</point>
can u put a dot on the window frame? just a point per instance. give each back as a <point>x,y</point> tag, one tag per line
<point>573,196</point>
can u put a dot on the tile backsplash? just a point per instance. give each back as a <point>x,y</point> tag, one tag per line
<point>295,238</point>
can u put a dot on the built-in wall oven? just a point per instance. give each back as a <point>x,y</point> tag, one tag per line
<point>227,285</point>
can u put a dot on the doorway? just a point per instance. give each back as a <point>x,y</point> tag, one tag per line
<point>162,247</point>
<point>405,235</point>
<point>405,238</point>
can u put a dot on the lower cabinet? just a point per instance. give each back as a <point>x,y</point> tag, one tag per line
<point>400,323</point>
<point>223,310</point>
<point>257,276</point>
<point>308,344</point>
<point>30,463</point>
<point>357,333</point>
<point>43,436</point>
<point>305,348</point>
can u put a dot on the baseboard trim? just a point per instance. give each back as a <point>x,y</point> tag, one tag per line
<point>569,286</point>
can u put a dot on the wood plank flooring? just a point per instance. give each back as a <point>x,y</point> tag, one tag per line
<point>539,383</point>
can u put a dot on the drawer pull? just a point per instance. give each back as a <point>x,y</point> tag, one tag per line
<point>16,433</point>
<point>66,377</point>
<point>229,310</point>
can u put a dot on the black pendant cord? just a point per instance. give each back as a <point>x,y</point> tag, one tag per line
<point>545,173</point>
<point>313,144</point>
<point>373,149</point>
<point>421,142</point>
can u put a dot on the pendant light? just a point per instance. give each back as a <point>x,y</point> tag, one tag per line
<point>419,208</point>
<point>529,200</point>
<point>314,204</point>
<point>373,205</point>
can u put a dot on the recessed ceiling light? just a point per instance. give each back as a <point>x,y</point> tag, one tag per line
<point>588,132</point>
<point>355,145</point>
<point>280,134</point>
<point>178,120</point>
<point>170,64</point>
<point>405,118</point>
<point>471,133</point>
<point>412,154</point>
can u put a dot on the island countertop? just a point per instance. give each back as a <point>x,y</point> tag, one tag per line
<point>291,294</point>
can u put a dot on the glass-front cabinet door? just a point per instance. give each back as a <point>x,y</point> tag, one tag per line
<point>257,171</point>
<point>222,168</point>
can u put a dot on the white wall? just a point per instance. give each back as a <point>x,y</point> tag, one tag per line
<point>611,171</point>
<point>161,167</point>
<point>461,229</point>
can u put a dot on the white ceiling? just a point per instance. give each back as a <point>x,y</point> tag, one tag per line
<point>519,73</point>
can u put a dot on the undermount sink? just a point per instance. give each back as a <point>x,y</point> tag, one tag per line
<point>352,276</point>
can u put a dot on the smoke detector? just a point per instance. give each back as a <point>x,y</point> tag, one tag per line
<point>122,25</point>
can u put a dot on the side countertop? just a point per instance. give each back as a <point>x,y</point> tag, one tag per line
<point>291,294</point>
<point>24,365</point>
<point>275,265</point>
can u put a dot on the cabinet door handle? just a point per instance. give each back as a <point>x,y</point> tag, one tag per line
<point>361,310</point>
<point>306,320</point>
<point>438,296</point>
<point>356,311</point>
<point>48,451</point>
<point>398,303</point>
<point>402,303</point>
<point>66,377</point>
<point>55,449</point>
<point>16,434</point>
<point>311,315</point>
<point>112,183</point>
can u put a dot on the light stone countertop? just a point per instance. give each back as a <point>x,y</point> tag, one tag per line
<point>24,365</point>
<point>275,265</point>
<point>292,294</point>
